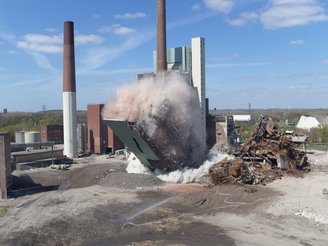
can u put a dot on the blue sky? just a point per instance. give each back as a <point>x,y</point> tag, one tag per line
<point>272,53</point>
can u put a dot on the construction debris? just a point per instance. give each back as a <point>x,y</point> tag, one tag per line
<point>264,157</point>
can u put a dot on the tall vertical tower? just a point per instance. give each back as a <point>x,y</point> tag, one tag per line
<point>161,63</point>
<point>69,92</point>
<point>198,76</point>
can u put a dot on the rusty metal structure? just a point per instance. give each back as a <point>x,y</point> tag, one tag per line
<point>265,156</point>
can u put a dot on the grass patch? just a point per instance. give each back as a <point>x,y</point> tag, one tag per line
<point>320,147</point>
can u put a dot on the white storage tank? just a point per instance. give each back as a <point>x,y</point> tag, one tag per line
<point>32,137</point>
<point>20,137</point>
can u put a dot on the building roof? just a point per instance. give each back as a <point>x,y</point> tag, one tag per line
<point>308,122</point>
<point>241,117</point>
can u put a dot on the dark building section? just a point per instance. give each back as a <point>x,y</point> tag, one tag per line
<point>97,134</point>
<point>81,138</point>
<point>52,133</point>
<point>114,143</point>
<point>5,165</point>
<point>210,131</point>
<point>101,138</point>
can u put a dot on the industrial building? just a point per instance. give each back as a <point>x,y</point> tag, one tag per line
<point>101,138</point>
<point>222,130</point>
<point>81,138</point>
<point>52,133</point>
<point>191,62</point>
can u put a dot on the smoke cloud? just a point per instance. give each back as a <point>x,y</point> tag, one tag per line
<point>166,109</point>
<point>184,176</point>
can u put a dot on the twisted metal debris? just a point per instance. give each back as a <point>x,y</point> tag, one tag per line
<point>264,157</point>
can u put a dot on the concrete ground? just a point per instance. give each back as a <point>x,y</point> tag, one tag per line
<point>97,203</point>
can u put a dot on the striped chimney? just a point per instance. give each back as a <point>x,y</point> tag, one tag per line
<point>69,92</point>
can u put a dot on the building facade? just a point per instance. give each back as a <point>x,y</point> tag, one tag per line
<point>101,138</point>
<point>53,133</point>
<point>81,138</point>
<point>198,76</point>
<point>190,60</point>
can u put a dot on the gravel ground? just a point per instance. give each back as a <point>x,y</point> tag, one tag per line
<point>125,180</point>
<point>98,203</point>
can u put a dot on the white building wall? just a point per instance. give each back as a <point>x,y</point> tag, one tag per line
<point>198,76</point>
<point>308,122</point>
<point>69,118</point>
<point>240,117</point>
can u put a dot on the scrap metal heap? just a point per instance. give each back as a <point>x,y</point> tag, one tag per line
<point>264,157</point>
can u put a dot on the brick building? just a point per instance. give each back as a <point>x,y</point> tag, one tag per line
<point>52,133</point>
<point>101,138</point>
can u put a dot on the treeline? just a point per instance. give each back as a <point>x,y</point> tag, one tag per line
<point>316,135</point>
<point>18,121</point>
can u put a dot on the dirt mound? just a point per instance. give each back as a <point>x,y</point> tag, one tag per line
<point>120,179</point>
<point>109,177</point>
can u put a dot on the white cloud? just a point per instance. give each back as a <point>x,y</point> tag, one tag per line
<point>243,19</point>
<point>99,56</point>
<point>39,47</point>
<point>7,37</point>
<point>9,52</point>
<point>297,42</point>
<point>196,6</point>
<point>96,16</point>
<point>249,64</point>
<point>117,29</point>
<point>289,13</point>
<point>42,61</point>
<point>90,38</point>
<point>130,15</point>
<point>49,29</point>
<point>53,44</point>
<point>224,6</point>
<point>41,43</point>
<point>45,39</point>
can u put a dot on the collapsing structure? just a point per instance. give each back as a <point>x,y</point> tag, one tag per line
<point>160,122</point>
<point>164,123</point>
<point>262,158</point>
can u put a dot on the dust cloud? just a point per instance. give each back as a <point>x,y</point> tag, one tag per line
<point>186,175</point>
<point>166,110</point>
<point>193,175</point>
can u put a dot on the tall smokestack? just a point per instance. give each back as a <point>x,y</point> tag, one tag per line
<point>161,36</point>
<point>69,92</point>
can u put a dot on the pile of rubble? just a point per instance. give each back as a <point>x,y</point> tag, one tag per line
<point>264,157</point>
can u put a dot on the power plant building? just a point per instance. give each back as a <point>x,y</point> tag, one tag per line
<point>101,138</point>
<point>189,60</point>
<point>81,138</point>
<point>52,133</point>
